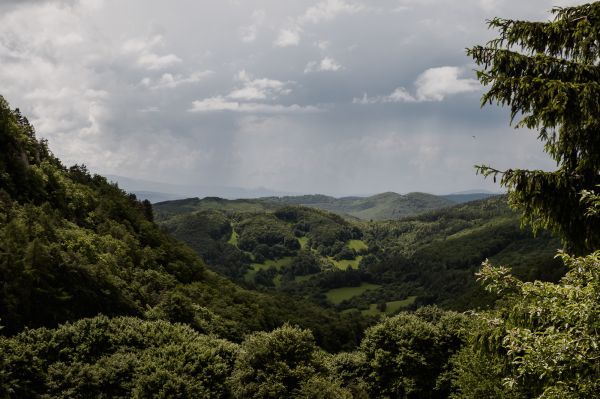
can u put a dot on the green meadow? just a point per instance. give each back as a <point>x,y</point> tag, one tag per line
<point>337,295</point>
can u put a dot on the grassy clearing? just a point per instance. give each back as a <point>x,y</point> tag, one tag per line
<point>234,238</point>
<point>357,245</point>
<point>303,242</point>
<point>338,295</point>
<point>269,263</point>
<point>343,264</point>
<point>391,307</point>
<point>395,306</point>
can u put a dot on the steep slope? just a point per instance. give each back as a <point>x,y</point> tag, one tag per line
<point>74,245</point>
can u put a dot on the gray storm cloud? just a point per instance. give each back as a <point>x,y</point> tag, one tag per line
<point>331,96</point>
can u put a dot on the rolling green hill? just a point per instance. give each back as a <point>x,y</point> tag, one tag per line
<point>430,257</point>
<point>377,207</point>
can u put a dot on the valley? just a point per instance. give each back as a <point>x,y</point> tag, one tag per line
<point>352,265</point>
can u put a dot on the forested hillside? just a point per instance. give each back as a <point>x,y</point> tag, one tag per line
<point>369,267</point>
<point>73,245</point>
<point>377,207</point>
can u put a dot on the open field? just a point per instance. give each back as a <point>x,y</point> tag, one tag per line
<point>357,245</point>
<point>390,308</point>
<point>269,263</point>
<point>234,238</point>
<point>343,264</point>
<point>303,241</point>
<point>337,295</point>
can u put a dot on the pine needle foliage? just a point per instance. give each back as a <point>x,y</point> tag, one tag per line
<point>548,74</point>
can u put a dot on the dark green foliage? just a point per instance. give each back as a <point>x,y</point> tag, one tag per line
<point>350,368</point>
<point>306,262</point>
<point>268,231</point>
<point>542,341</point>
<point>120,358</point>
<point>58,268</point>
<point>284,363</point>
<point>207,233</point>
<point>407,356</point>
<point>324,229</point>
<point>547,73</point>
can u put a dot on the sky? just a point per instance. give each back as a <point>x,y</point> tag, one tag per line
<point>340,97</point>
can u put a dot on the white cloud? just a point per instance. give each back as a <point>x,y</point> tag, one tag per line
<point>258,89</point>
<point>244,98</point>
<point>214,104</point>
<point>325,10</point>
<point>329,9</point>
<point>170,81</point>
<point>288,37</point>
<point>249,33</point>
<point>435,84</point>
<point>69,66</point>
<point>327,64</point>
<point>323,44</point>
<point>146,57</point>
<point>133,46</point>
<point>485,5</point>
<point>153,61</point>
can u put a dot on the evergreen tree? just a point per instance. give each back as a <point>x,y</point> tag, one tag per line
<point>548,74</point>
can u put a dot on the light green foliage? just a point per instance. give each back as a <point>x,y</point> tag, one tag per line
<point>233,240</point>
<point>548,331</point>
<point>338,295</point>
<point>547,73</point>
<point>303,242</point>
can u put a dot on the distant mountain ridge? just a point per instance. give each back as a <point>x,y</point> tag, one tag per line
<point>155,191</point>
<point>384,206</point>
<point>460,198</point>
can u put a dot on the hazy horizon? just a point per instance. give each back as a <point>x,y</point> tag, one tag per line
<point>337,97</point>
<point>167,191</point>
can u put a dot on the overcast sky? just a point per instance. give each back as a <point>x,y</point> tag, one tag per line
<point>330,96</point>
